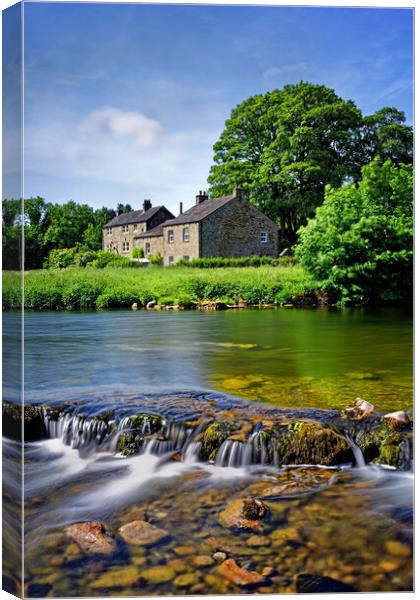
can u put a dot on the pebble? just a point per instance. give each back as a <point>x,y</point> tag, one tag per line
<point>203,561</point>
<point>258,540</point>
<point>159,574</point>
<point>219,556</point>
<point>177,565</point>
<point>388,566</point>
<point>184,550</point>
<point>118,577</point>
<point>397,548</point>
<point>186,579</point>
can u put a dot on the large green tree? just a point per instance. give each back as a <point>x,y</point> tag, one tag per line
<point>360,241</point>
<point>284,147</point>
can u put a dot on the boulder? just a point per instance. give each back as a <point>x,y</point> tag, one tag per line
<point>243,514</point>
<point>134,306</point>
<point>91,537</point>
<point>230,570</point>
<point>360,409</point>
<point>150,305</point>
<point>142,533</point>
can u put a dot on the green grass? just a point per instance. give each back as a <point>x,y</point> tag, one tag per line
<point>76,287</point>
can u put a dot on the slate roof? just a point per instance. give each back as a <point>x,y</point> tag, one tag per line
<point>156,231</point>
<point>134,216</point>
<point>199,211</point>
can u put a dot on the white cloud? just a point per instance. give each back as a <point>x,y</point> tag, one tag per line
<point>124,125</point>
<point>283,70</point>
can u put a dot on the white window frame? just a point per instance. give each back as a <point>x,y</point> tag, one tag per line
<point>185,234</point>
<point>171,236</point>
<point>135,227</point>
<point>147,248</point>
<point>125,228</point>
<point>109,230</point>
<point>126,247</point>
<point>263,237</point>
<point>170,260</point>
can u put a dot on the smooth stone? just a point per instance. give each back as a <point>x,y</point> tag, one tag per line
<point>117,577</point>
<point>177,565</point>
<point>186,579</point>
<point>202,561</point>
<point>184,550</point>
<point>91,537</point>
<point>400,416</point>
<point>233,515</point>
<point>159,574</point>
<point>388,566</point>
<point>230,570</point>
<point>219,556</point>
<point>142,533</point>
<point>397,548</point>
<point>287,533</point>
<point>258,540</point>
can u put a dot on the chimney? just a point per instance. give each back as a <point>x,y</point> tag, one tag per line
<point>201,197</point>
<point>180,208</point>
<point>147,204</point>
<point>238,192</point>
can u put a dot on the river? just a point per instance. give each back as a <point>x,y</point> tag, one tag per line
<point>351,523</point>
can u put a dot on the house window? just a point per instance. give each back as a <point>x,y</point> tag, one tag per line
<point>263,237</point>
<point>125,228</point>
<point>109,230</point>
<point>126,247</point>
<point>171,237</point>
<point>170,260</point>
<point>186,257</point>
<point>135,227</point>
<point>147,248</point>
<point>186,234</point>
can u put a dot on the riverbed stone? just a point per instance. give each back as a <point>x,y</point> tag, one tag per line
<point>91,537</point>
<point>257,541</point>
<point>202,560</point>
<point>142,533</point>
<point>117,577</point>
<point>397,548</point>
<point>186,579</point>
<point>158,574</point>
<point>184,550</point>
<point>243,514</point>
<point>219,557</point>
<point>242,577</point>
<point>308,583</point>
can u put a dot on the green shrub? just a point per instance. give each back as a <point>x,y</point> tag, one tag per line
<point>156,259</point>
<point>219,262</point>
<point>61,258</point>
<point>137,253</point>
<point>360,242</point>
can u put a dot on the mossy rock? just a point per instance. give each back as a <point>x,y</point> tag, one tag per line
<point>130,443</point>
<point>396,451</point>
<point>212,438</point>
<point>33,422</point>
<point>311,443</point>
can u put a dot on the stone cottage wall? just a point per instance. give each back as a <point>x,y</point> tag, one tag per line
<point>180,249</point>
<point>234,230</point>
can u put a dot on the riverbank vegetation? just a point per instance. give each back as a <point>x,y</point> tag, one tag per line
<point>112,287</point>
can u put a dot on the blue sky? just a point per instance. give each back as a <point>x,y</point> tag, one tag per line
<point>124,102</point>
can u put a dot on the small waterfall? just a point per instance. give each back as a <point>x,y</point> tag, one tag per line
<point>358,454</point>
<point>233,453</point>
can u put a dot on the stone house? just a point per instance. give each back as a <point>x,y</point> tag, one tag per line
<point>118,234</point>
<point>229,227</point>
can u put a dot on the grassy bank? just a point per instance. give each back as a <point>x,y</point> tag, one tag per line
<point>74,287</point>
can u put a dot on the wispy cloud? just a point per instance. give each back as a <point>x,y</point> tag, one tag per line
<point>285,69</point>
<point>124,125</point>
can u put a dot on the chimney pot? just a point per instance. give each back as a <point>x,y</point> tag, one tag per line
<point>147,204</point>
<point>180,208</point>
<point>201,197</point>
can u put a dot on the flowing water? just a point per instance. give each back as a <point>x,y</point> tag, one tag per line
<point>351,523</point>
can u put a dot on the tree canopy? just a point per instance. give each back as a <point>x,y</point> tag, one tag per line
<point>360,241</point>
<point>48,226</point>
<point>284,147</point>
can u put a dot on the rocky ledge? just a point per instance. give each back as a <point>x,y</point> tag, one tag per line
<point>235,437</point>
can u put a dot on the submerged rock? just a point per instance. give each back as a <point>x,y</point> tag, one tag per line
<point>360,409</point>
<point>307,583</point>
<point>117,577</point>
<point>91,537</point>
<point>230,570</point>
<point>142,533</point>
<point>159,574</point>
<point>243,514</point>
<point>33,422</point>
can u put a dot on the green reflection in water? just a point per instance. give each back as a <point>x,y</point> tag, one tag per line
<point>318,358</point>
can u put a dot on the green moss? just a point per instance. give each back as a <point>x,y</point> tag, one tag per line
<point>212,438</point>
<point>390,449</point>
